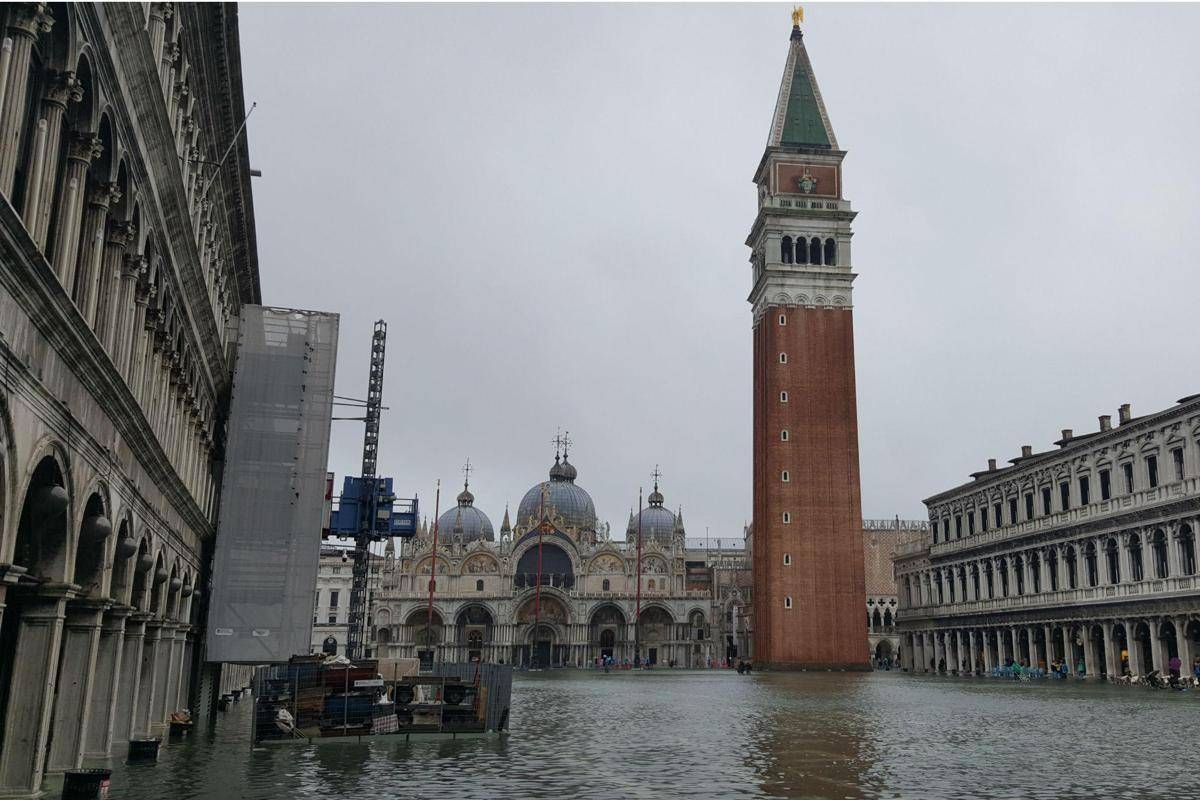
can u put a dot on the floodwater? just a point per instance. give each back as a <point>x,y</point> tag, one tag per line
<point>664,734</point>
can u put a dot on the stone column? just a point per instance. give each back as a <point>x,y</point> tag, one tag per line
<point>988,664</point>
<point>82,149</point>
<point>28,21</point>
<point>77,670</point>
<point>1048,638</point>
<point>1186,651</point>
<point>138,343</point>
<point>98,736</point>
<point>1112,656</point>
<point>90,281</point>
<point>172,654</point>
<point>156,26</point>
<point>1068,649</point>
<point>183,682</point>
<point>112,287</point>
<point>127,719</point>
<point>1123,558</point>
<point>150,690</point>
<point>1156,646</point>
<point>973,655</point>
<point>1090,661</point>
<point>128,314</point>
<point>31,696</point>
<point>1034,656</point>
<point>962,655</point>
<point>63,88</point>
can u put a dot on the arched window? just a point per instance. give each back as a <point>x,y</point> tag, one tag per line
<point>1035,572</point>
<point>887,620</point>
<point>783,319</point>
<point>329,646</point>
<point>783,358</point>
<point>783,436</point>
<point>814,251</point>
<point>787,559</point>
<point>1019,574</point>
<point>801,250</point>
<point>785,250</point>
<point>479,585</point>
<point>785,476</point>
<point>1187,550</point>
<point>783,397</point>
<point>605,586</point>
<point>1089,560</point>
<point>1112,556</point>
<point>1160,554</point>
<point>830,253</point>
<point>1072,569</point>
<point>1136,567</point>
<point>1003,578</point>
<point>975,580</point>
<point>787,602</point>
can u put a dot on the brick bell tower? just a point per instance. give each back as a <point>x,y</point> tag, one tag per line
<point>809,595</point>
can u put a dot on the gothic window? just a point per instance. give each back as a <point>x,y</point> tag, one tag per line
<point>479,586</point>
<point>1085,490</point>
<point>1152,471</point>
<point>787,602</point>
<point>1105,485</point>
<point>785,250</point>
<point>787,559</point>
<point>830,252</point>
<point>787,517</point>
<point>783,358</point>
<point>814,251</point>
<point>1177,459</point>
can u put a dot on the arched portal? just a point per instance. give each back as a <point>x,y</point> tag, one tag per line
<point>542,621</point>
<point>607,628</point>
<point>94,532</point>
<point>473,630</point>
<point>654,633</point>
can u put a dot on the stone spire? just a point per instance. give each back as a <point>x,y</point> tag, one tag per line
<point>505,526</point>
<point>800,119</point>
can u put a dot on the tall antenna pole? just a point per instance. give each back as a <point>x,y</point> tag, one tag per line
<point>637,617</point>
<point>437,504</point>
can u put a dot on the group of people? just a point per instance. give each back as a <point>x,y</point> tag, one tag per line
<point>1021,669</point>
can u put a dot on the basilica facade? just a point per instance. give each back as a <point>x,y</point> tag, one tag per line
<point>554,588</point>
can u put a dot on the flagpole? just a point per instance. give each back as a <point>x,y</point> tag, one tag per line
<point>433,566</point>
<point>637,618</point>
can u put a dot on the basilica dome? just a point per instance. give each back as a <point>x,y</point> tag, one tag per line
<point>465,523</point>
<point>563,498</point>
<point>657,523</point>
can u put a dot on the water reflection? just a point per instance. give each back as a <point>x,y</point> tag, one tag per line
<point>665,735</point>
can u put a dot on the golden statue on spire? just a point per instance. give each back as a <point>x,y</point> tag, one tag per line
<point>797,16</point>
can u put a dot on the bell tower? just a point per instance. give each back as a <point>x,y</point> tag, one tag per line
<point>809,594</point>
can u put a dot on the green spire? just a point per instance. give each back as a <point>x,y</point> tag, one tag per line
<point>800,119</point>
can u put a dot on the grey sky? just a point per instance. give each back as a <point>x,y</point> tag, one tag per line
<point>549,206</point>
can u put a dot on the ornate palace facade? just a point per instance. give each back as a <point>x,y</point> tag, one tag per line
<point>555,589</point>
<point>125,256</point>
<point>1085,553</point>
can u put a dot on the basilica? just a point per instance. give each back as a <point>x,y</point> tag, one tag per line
<point>553,588</point>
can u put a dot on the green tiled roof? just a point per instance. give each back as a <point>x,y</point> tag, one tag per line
<point>803,125</point>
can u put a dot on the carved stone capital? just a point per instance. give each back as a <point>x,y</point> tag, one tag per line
<point>84,147</point>
<point>104,194</point>
<point>64,88</point>
<point>122,234</point>
<point>135,264</point>
<point>30,19</point>
<point>171,53</point>
<point>181,90</point>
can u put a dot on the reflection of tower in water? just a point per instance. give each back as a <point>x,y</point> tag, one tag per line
<point>811,739</point>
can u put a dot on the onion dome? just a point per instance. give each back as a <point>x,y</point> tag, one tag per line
<point>657,524</point>
<point>465,523</point>
<point>563,498</point>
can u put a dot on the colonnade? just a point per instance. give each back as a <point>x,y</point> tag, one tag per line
<point>1096,648</point>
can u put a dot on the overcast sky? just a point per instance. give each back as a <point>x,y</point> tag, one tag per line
<point>549,204</point>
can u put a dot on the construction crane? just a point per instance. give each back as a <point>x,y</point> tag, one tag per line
<point>367,509</point>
